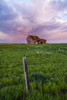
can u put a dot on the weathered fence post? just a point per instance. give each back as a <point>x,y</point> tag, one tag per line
<point>26,74</point>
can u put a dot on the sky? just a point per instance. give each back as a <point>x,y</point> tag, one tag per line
<point>45,18</point>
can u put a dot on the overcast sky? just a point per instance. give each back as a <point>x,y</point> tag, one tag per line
<point>44,18</point>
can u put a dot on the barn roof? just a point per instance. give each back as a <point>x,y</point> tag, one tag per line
<point>34,37</point>
<point>42,39</point>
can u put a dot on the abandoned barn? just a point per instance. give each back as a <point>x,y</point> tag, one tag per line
<point>35,40</point>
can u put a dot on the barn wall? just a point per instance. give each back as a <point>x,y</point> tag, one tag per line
<point>31,41</point>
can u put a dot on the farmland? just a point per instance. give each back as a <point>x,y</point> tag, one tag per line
<point>47,70</point>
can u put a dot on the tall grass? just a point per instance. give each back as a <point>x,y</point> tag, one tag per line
<point>47,69</point>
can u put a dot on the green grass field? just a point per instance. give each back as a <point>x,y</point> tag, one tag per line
<point>47,69</point>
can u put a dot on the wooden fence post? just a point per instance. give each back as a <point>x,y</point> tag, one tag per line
<point>26,74</point>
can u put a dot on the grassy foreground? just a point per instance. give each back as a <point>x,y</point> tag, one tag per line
<point>47,69</point>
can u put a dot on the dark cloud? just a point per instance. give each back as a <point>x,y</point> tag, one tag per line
<point>6,12</point>
<point>7,17</point>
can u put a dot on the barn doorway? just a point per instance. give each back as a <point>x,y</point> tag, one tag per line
<point>41,43</point>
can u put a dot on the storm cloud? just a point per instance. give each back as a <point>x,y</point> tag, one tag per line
<point>44,18</point>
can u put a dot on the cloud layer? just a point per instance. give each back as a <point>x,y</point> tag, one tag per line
<point>45,18</point>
